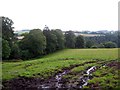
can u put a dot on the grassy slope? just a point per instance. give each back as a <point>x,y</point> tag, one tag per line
<point>50,64</point>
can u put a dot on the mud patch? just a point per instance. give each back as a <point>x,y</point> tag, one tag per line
<point>114,64</point>
<point>21,83</point>
<point>106,77</point>
<point>54,81</point>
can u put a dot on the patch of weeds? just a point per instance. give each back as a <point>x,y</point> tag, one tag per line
<point>94,80</point>
<point>78,69</point>
<point>25,74</point>
<point>86,87</point>
<point>97,73</point>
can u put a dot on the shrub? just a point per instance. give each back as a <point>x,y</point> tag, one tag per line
<point>110,45</point>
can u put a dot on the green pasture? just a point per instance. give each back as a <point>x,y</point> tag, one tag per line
<point>50,64</point>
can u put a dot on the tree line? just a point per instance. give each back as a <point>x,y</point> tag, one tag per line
<point>39,42</point>
<point>35,43</point>
<point>108,40</point>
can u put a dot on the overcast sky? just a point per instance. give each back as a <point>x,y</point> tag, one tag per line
<point>62,14</point>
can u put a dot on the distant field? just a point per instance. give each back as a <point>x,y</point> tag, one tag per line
<point>91,35</point>
<point>53,63</point>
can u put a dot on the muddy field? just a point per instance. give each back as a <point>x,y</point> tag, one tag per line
<point>93,74</point>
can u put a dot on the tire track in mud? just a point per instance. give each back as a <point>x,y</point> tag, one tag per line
<point>83,80</point>
<point>55,81</point>
<point>113,66</point>
<point>59,82</point>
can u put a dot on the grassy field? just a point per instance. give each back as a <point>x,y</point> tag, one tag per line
<point>50,64</point>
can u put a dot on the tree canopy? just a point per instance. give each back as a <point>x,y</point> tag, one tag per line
<point>7,37</point>
<point>34,43</point>
<point>5,49</point>
<point>69,39</point>
<point>37,42</point>
<point>79,42</point>
<point>60,38</point>
<point>7,29</point>
<point>51,41</point>
<point>110,44</point>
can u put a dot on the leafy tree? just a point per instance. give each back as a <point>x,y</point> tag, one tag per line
<point>7,35</point>
<point>101,45</point>
<point>15,51</point>
<point>5,49</point>
<point>94,46</point>
<point>51,40</point>
<point>25,54</point>
<point>79,42</point>
<point>110,45</point>
<point>106,37</point>
<point>7,29</point>
<point>69,39</point>
<point>60,38</point>
<point>89,44</point>
<point>34,43</point>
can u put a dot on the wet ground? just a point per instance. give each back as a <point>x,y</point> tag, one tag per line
<point>57,81</point>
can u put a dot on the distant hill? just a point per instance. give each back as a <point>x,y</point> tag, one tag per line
<point>83,33</point>
<point>22,31</point>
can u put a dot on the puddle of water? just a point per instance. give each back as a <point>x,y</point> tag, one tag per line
<point>84,79</point>
<point>91,70</point>
<point>57,82</point>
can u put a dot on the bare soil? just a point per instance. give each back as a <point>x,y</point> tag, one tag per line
<point>23,83</point>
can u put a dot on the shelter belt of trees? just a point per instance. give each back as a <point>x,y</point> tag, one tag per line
<point>39,42</point>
